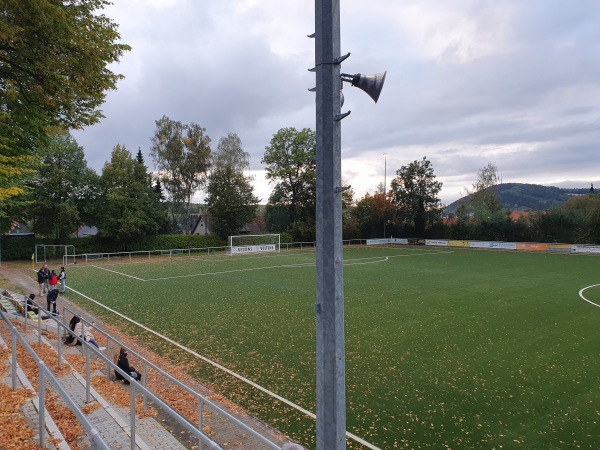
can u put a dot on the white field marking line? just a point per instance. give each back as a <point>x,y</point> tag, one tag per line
<point>425,253</point>
<point>269,255</point>
<point>311,264</point>
<point>183,257</point>
<point>223,368</point>
<point>349,262</point>
<point>589,301</point>
<point>378,258</point>
<point>230,271</point>
<point>119,273</point>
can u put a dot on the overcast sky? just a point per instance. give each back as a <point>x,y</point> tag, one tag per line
<point>513,82</point>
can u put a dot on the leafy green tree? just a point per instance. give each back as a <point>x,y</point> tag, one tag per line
<point>15,171</point>
<point>414,194</point>
<point>130,207</point>
<point>63,189</point>
<point>290,166</point>
<point>484,202</point>
<point>231,202</point>
<point>54,59</point>
<point>369,214</point>
<point>182,155</point>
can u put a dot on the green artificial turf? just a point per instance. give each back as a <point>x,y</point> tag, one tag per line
<point>445,347</point>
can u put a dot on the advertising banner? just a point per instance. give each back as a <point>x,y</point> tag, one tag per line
<point>458,243</point>
<point>558,248</point>
<point>387,241</point>
<point>437,243</point>
<point>254,248</point>
<point>377,241</point>
<point>585,248</point>
<point>531,247</point>
<point>479,244</point>
<point>504,245</point>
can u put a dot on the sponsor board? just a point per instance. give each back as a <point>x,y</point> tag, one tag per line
<point>387,241</point>
<point>377,241</point>
<point>585,248</point>
<point>479,244</point>
<point>531,247</point>
<point>416,241</point>
<point>438,243</point>
<point>254,248</point>
<point>558,248</point>
<point>504,245</point>
<point>458,243</point>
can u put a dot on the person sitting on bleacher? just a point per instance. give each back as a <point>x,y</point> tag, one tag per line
<point>83,332</point>
<point>70,338</point>
<point>123,364</point>
<point>31,306</point>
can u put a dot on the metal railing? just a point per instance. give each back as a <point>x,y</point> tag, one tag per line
<point>46,375</point>
<point>146,364</point>
<point>62,329</point>
<point>88,351</point>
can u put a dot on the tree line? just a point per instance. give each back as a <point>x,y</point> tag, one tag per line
<point>127,201</point>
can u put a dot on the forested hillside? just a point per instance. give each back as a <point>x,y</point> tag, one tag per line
<point>525,197</point>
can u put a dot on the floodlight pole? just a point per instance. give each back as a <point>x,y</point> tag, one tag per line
<point>384,190</point>
<point>329,307</point>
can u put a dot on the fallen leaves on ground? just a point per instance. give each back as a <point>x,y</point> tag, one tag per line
<point>15,434</point>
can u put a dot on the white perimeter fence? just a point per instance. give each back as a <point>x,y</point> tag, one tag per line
<point>226,250</point>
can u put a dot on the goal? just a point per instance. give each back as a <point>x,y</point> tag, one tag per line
<point>254,243</point>
<point>45,253</point>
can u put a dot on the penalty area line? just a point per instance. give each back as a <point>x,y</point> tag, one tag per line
<point>119,273</point>
<point>224,272</point>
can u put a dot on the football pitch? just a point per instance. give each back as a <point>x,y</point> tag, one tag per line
<point>445,348</point>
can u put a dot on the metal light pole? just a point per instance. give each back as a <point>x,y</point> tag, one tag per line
<point>384,189</point>
<point>329,307</point>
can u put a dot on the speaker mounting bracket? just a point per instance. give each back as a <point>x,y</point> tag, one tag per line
<point>337,61</point>
<point>339,117</point>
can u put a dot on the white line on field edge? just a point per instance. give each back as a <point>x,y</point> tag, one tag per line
<point>223,368</point>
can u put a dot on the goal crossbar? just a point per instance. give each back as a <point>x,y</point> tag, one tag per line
<point>45,252</point>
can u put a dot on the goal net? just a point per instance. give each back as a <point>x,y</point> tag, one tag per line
<point>254,243</point>
<point>45,253</point>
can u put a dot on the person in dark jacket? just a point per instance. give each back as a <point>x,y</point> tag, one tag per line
<point>31,306</point>
<point>43,277</point>
<point>123,364</point>
<point>51,301</point>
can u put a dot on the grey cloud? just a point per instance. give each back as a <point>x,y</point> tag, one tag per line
<point>533,102</point>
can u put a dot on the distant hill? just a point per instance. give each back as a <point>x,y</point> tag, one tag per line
<point>526,197</point>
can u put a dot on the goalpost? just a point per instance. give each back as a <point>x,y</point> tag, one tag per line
<point>254,243</point>
<point>44,252</point>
